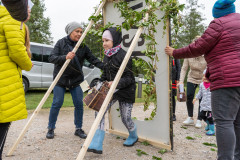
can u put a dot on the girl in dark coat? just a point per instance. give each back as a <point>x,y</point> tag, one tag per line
<point>125,91</point>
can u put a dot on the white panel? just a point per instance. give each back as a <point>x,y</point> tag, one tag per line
<point>157,129</point>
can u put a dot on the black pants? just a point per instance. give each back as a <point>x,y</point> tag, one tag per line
<point>3,134</point>
<point>206,115</point>
<point>191,88</point>
<point>173,100</point>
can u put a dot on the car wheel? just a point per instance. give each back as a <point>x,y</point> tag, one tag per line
<point>93,83</point>
<point>25,85</point>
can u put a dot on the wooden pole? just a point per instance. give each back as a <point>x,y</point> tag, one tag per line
<point>110,93</point>
<point>53,84</point>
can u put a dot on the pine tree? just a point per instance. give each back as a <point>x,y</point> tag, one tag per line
<point>39,26</point>
<point>193,25</point>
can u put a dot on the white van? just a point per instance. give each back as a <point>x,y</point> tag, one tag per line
<point>41,75</point>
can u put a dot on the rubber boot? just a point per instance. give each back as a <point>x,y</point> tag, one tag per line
<point>96,145</point>
<point>132,138</point>
<point>207,127</point>
<point>211,130</point>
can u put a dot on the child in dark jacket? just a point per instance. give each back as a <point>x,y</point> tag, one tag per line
<point>125,91</point>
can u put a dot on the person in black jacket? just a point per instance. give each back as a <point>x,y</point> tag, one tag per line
<point>71,77</point>
<point>124,93</point>
<point>176,69</point>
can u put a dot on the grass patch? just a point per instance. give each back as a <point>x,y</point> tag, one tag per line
<point>33,98</point>
<point>210,144</point>
<point>156,158</point>
<point>140,152</point>
<point>190,138</point>
<point>162,151</point>
<point>183,127</point>
<point>145,143</point>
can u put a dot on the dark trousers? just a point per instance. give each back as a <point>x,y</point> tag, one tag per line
<point>191,88</point>
<point>3,134</point>
<point>226,112</point>
<point>174,100</point>
<point>206,116</point>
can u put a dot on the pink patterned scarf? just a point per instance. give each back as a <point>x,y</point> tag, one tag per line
<point>112,51</point>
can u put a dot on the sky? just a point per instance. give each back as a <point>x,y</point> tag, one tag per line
<point>61,12</point>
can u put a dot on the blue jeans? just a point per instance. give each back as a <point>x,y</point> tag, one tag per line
<point>58,98</point>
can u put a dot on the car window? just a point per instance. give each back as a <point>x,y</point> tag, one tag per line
<point>36,53</point>
<point>87,64</point>
<point>46,52</point>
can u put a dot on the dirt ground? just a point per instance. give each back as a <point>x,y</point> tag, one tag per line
<point>66,146</point>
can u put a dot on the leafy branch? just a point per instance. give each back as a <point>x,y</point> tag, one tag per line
<point>134,18</point>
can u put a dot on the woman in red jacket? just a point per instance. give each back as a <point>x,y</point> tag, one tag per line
<point>220,45</point>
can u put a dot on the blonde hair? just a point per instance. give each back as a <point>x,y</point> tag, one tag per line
<point>27,41</point>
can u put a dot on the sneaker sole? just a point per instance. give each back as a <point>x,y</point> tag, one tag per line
<point>79,136</point>
<point>191,124</point>
<point>131,144</point>
<point>94,151</point>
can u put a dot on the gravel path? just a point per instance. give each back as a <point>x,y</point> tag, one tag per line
<point>66,146</point>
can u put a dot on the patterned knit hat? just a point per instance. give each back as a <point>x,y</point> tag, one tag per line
<point>223,7</point>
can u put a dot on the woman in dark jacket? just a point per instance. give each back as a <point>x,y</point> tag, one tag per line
<point>125,91</point>
<point>71,77</point>
<point>221,48</point>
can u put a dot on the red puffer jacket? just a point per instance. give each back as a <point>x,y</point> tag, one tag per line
<point>220,45</point>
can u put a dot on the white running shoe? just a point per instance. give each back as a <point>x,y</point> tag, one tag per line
<point>198,124</point>
<point>188,121</point>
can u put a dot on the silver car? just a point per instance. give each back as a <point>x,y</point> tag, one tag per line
<point>41,75</point>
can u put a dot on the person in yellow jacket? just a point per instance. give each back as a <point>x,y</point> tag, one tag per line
<point>13,59</point>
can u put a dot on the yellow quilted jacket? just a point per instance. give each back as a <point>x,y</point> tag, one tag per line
<point>13,59</point>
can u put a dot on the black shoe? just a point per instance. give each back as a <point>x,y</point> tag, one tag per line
<point>50,134</point>
<point>80,133</point>
<point>174,117</point>
<point>94,151</point>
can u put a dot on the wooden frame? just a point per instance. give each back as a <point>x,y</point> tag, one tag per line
<point>159,131</point>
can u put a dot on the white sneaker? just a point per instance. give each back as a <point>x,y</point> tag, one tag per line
<point>189,121</point>
<point>198,124</point>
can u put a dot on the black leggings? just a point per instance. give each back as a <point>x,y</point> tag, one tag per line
<point>191,88</point>
<point>206,115</point>
<point>3,134</point>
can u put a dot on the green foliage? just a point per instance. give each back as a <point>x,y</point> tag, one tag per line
<point>140,152</point>
<point>199,136</point>
<point>183,127</point>
<point>210,144</point>
<point>93,41</point>
<point>117,137</point>
<point>135,118</point>
<point>145,143</point>
<point>192,21</point>
<point>190,138</point>
<point>162,151</point>
<point>156,158</point>
<point>133,18</point>
<point>212,149</point>
<point>39,26</point>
